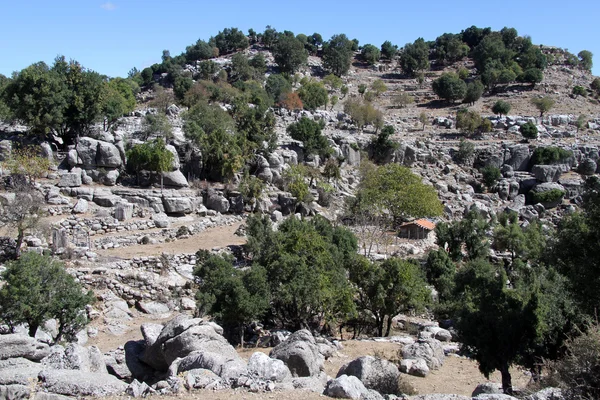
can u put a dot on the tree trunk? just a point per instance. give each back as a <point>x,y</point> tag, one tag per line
<point>506,379</point>
<point>389,326</point>
<point>32,329</point>
<point>20,237</point>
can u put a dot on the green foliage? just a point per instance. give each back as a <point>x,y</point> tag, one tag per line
<point>294,179</point>
<point>251,188</point>
<point>382,146</point>
<point>581,121</point>
<point>363,113</point>
<point>403,99</point>
<point>37,289</point>
<point>277,85</point>
<point>378,87</point>
<point>241,70</point>
<point>501,107</point>
<point>547,197</point>
<point>309,132</point>
<point>450,87</point>
<point>333,82</point>
<point>415,57</point>
<point>474,92</point>
<point>331,169</point>
<point>490,174</point>
<point>289,54</point>
<point>440,271</point>
<point>313,95</point>
<point>229,40</point>
<point>579,91</point>
<point>5,113</point>
<point>150,156</point>
<point>585,60</point>
<point>529,130</point>
<point>388,50</point>
<point>305,264</point>
<point>543,104</point>
<point>65,100</point>
<point>370,54</point>
<point>337,55</point>
<point>207,69</point>
<point>199,51</point>
<point>465,152</point>
<point>234,297</point>
<point>26,161</point>
<point>471,233</point>
<point>469,121</point>
<point>595,85</point>
<point>118,100</point>
<point>450,48</point>
<point>156,125</point>
<point>550,155</point>
<point>531,75</point>
<point>386,289</point>
<point>395,189</point>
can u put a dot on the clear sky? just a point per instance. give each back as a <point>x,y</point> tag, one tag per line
<point>112,36</point>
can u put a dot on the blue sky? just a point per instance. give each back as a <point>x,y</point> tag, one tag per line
<point>112,36</point>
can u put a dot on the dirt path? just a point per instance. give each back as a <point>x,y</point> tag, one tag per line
<point>220,236</point>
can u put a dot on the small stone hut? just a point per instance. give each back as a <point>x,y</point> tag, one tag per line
<point>417,229</point>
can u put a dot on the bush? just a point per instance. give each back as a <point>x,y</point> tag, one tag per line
<point>277,85</point>
<point>467,120</point>
<point>474,92</point>
<point>501,107</point>
<point>309,132</point>
<point>578,372</point>
<point>549,196</point>
<point>450,87</point>
<point>289,54</point>
<point>465,151</point>
<point>529,130</point>
<point>579,91</point>
<point>36,289</point>
<point>370,54</point>
<point>382,146</point>
<point>491,174</point>
<point>550,155</point>
<point>595,85</point>
<point>313,95</point>
<point>363,114</point>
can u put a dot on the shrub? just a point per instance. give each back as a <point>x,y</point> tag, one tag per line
<point>38,288</point>
<point>474,92</point>
<point>309,132</point>
<point>501,107</point>
<point>467,120</point>
<point>579,91</point>
<point>370,54</point>
<point>450,87</point>
<point>313,95</point>
<point>491,174</point>
<point>529,130</point>
<point>465,151</point>
<point>578,372</point>
<point>550,155</point>
<point>549,196</point>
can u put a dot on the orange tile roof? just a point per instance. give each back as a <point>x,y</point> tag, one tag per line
<point>423,223</point>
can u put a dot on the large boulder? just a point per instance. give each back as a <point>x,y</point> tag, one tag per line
<point>547,394</point>
<point>69,179</point>
<point>375,373</point>
<point>587,167</point>
<point>78,383</point>
<point>547,173</point>
<point>215,201</point>
<point>177,205</point>
<point>300,353</point>
<point>16,345</point>
<point>98,154</point>
<point>436,396</point>
<point>518,157</point>
<point>76,357</point>
<point>228,366</point>
<point>264,367</point>
<point>347,387</point>
<point>430,350</point>
<point>538,191</point>
<point>174,179</point>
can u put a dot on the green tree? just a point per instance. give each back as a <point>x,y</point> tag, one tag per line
<point>469,234</point>
<point>229,40</point>
<point>313,95</point>
<point>450,48</point>
<point>156,125</point>
<point>378,87</point>
<point>370,54</point>
<point>403,99</point>
<point>581,122</point>
<point>385,289</point>
<point>579,91</point>
<point>585,60</point>
<point>465,152</point>
<point>490,175</point>
<point>309,132</point>
<point>289,54</point>
<point>36,289</point>
<point>306,265</point>
<point>395,189</point>
<point>449,87</point>
<point>543,104</point>
<point>595,85</point>
<point>333,82</point>
<point>474,92</point>
<point>150,156</point>
<point>294,180</point>
<point>240,68</point>
<point>495,321</point>
<point>277,85</point>
<point>382,146</point>
<point>388,50</point>
<point>501,107</point>
<point>529,130</point>
<point>531,75</point>
<point>337,55</point>
<point>234,297</point>
<point>415,57</point>
<point>199,51</point>
<point>469,121</point>
<point>118,100</point>
<point>440,271</point>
